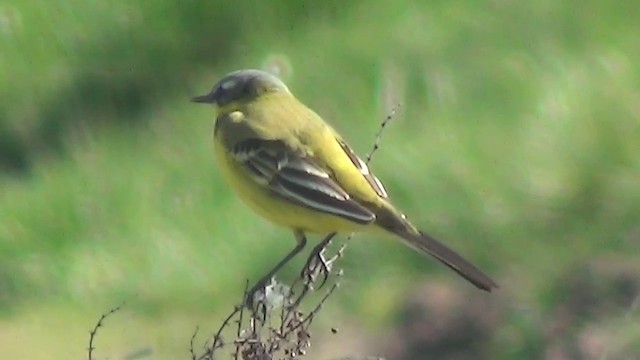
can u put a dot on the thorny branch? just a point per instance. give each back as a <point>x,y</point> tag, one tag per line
<point>94,331</point>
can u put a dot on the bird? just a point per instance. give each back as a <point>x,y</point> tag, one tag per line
<point>292,168</point>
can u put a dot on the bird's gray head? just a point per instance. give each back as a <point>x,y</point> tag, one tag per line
<point>242,85</point>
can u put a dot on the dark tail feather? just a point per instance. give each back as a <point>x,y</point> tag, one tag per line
<point>457,263</point>
<point>390,220</point>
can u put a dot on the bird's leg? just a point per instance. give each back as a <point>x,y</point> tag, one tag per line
<point>260,285</point>
<point>317,264</point>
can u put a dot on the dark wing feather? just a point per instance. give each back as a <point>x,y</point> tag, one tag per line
<point>364,170</point>
<point>298,179</point>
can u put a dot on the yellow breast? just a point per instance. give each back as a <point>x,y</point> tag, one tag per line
<point>272,207</point>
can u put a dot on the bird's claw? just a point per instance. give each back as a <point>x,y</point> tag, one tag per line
<point>317,265</point>
<point>250,297</point>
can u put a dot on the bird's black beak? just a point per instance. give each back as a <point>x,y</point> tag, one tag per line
<point>209,98</point>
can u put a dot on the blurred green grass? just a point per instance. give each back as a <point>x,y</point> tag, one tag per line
<point>517,143</point>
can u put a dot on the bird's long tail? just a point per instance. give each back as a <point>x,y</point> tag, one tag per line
<point>395,223</point>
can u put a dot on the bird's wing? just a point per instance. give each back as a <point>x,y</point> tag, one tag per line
<point>373,181</point>
<point>297,178</point>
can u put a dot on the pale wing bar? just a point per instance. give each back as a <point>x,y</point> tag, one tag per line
<point>364,170</point>
<point>298,179</point>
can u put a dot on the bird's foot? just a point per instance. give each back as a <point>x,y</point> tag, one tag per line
<point>318,265</point>
<point>256,294</point>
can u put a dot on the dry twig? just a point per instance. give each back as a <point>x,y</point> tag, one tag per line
<point>94,331</point>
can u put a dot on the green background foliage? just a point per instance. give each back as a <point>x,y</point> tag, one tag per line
<point>517,142</point>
